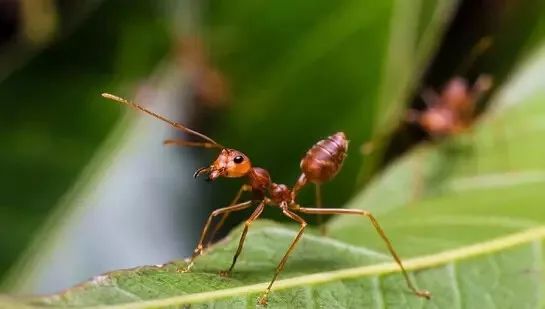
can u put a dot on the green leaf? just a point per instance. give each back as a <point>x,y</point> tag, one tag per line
<point>469,226</point>
<point>465,215</point>
<point>45,148</point>
<point>327,273</point>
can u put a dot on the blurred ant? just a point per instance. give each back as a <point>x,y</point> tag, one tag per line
<point>453,110</point>
<point>208,84</point>
<point>320,164</point>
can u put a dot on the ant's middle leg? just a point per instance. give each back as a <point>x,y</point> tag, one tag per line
<point>264,297</point>
<point>200,247</point>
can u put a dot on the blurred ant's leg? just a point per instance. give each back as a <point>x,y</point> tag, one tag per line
<point>503,131</point>
<point>418,183</point>
<point>413,116</point>
<point>199,249</point>
<point>476,51</point>
<point>380,231</point>
<point>320,220</point>
<point>481,86</point>
<point>472,150</point>
<point>181,142</point>
<point>242,189</point>
<point>257,212</point>
<point>430,97</point>
<point>263,299</point>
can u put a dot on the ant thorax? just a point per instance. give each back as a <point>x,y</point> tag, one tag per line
<point>259,179</point>
<point>280,193</point>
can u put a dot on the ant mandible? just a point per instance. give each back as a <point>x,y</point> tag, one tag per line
<point>321,163</point>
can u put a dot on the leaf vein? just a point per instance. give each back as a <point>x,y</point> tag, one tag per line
<point>413,264</point>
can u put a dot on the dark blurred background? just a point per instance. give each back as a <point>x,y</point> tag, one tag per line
<point>86,186</point>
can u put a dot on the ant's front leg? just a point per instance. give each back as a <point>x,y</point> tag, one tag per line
<point>244,188</point>
<point>200,247</point>
<point>257,212</point>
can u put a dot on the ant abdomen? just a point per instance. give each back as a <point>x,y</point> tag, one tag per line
<point>324,160</point>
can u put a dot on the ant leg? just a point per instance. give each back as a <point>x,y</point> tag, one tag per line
<point>412,116</point>
<point>199,249</point>
<point>263,299</point>
<point>430,97</point>
<point>476,51</point>
<point>301,182</point>
<point>257,212</point>
<point>225,215</point>
<point>481,86</point>
<point>380,231</point>
<point>318,201</point>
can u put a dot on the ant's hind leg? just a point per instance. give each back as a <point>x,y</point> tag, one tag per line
<point>301,182</point>
<point>320,218</point>
<point>200,247</point>
<point>380,231</point>
<point>257,212</point>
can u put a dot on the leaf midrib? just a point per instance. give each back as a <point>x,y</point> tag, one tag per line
<point>418,263</point>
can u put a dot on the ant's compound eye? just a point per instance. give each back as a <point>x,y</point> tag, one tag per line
<point>238,159</point>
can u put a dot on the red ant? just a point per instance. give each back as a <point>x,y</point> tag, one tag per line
<point>448,113</point>
<point>453,110</point>
<point>208,84</point>
<point>320,164</point>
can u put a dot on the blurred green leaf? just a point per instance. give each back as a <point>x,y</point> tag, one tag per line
<point>50,126</point>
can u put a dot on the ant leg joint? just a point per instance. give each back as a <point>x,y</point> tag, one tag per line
<point>295,206</point>
<point>264,298</point>
<point>424,293</point>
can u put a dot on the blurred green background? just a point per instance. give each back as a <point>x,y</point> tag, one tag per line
<point>85,189</point>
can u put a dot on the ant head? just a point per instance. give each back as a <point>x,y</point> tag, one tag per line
<point>230,163</point>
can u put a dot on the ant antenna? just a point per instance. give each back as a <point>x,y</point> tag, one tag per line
<point>478,49</point>
<point>209,144</point>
